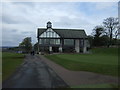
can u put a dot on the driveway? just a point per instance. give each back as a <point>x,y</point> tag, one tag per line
<point>77,78</point>
<point>34,73</point>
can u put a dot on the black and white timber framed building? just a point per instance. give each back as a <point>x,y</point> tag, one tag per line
<point>61,40</point>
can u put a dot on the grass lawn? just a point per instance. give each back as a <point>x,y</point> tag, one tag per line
<point>102,60</point>
<point>10,61</point>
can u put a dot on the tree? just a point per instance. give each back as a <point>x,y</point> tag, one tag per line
<point>90,39</point>
<point>36,47</point>
<point>104,40</point>
<point>98,31</point>
<point>26,45</point>
<point>117,32</point>
<point>111,25</point>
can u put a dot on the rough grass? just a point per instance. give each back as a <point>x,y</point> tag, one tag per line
<point>102,60</point>
<point>10,61</point>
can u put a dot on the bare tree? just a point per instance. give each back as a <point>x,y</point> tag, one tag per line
<point>117,31</point>
<point>111,25</point>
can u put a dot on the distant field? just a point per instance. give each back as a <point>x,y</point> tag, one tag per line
<point>101,60</point>
<point>10,61</point>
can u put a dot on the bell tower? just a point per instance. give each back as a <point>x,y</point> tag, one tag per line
<point>49,24</point>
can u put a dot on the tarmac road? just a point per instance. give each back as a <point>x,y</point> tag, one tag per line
<point>34,73</point>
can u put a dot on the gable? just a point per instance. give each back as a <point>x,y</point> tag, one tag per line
<point>49,33</point>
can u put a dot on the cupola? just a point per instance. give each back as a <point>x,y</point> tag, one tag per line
<point>49,24</point>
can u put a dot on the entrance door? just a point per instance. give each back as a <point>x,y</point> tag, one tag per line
<point>55,49</point>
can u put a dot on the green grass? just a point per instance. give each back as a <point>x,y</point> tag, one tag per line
<point>10,61</point>
<point>102,60</point>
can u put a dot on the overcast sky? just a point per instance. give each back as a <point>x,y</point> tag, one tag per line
<point>20,20</point>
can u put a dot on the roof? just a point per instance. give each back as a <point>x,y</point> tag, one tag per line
<point>66,33</point>
<point>49,22</point>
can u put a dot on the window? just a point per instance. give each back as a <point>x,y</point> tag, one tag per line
<point>68,41</point>
<point>51,41</point>
<point>57,41</point>
<point>41,41</point>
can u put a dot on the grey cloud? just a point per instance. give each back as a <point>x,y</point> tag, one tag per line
<point>26,32</point>
<point>29,4</point>
<point>8,20</point>
<point>6,30</point>
<point>11,37</point>
<point>14,30</point>
<point>14,19</point>
<point>22,19</point>
<point>71,22</point>
<point>7,43</point>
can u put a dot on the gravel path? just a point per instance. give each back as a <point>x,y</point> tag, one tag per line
<point>76,78</point>
<point>34,73</point>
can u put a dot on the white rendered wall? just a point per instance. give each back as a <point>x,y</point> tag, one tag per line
<point>50,49</point>
<point>85,46</point>
<point>77,46</point>
<point>60,49</point>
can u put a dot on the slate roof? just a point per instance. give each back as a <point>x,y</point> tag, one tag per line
<point>66,33</point>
